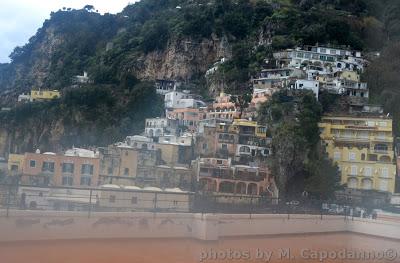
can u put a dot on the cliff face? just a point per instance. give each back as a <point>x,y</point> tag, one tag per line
<point>183,59</point>
<point>33,72</point>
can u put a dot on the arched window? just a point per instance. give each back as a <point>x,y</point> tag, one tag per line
<point>244,149</point>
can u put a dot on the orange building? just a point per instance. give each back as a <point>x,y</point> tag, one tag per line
<point>77,167</point>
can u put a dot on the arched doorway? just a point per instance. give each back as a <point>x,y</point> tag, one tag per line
<point>226,187</point>
<point>366,184</point>
<point>352,183</point>
<point>252,189</point>
<point>385,159</point>
<point>208,185</point>
<point>241,188</point>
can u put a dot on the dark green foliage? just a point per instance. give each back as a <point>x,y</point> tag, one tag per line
<point>93,115</point>
<point>297,154</point>
<point>384,82</point>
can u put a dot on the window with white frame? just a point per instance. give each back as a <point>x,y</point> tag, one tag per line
<point>353,170</point>
<point>385,172</point>
<point>368,171</point>
<point>352,156</point>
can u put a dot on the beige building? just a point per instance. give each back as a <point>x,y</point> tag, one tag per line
<point>76,167</point>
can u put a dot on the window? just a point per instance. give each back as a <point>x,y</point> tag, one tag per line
<point>383,124</point>
<point>352,156</point>
<point>224,147</point>
<point>126,171</point>
<point>348,134</point>
<point>110,170</point>
<point>381,148</point>
<point>87,169</point>
<point>86,181</point>
<point>244,149</point>
<point>353,170</point>
<point>385,172</point>
<point>32,163</point>
<point>134,200</point>
<point>368,171</point>
<point>384,185</point>
<point>67,180</point>
<point>219,161</point>
<point>337,156</point>
<point>68,168</point>
<point>364,134</point>
<point>112,199</point>
<point>381,135</point>
<point>48,167</point>
<point>204,146</point>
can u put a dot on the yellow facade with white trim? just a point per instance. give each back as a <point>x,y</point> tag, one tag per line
<point>362,147</point>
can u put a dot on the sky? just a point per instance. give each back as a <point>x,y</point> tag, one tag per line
<point>20,19</point>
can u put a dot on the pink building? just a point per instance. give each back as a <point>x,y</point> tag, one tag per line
<point>188,117</point>
<point>260,96</point>
<point>77,167</point>
<point>223,108</point>
<point>220,176</point>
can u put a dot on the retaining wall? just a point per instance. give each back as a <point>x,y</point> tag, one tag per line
<point>51,225</point>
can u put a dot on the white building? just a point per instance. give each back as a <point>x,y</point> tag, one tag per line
<point>82,79</point>
<point>338,59</point>
<point>79,152</point>
<point>308,85</point>
<point>24,97</point>
<point>184,140</point>
<point>215,67</point>
<point>189,103</point>
<point>156,127</point>
<point>164,86</point>
<point>182,100</point>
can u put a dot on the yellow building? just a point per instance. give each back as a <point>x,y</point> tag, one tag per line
<point>363,149</point>
<point>38,95</point>
<point>250,127</point>
<point>15,164</point>
<point>350,75</point>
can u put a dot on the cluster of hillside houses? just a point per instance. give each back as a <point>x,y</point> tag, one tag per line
<point>207,147</point>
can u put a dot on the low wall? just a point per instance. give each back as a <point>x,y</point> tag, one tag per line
<point>51,225</point>
<point>244,225</point>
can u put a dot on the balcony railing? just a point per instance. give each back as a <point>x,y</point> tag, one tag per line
<point>226,140</point>
<point>379,151</point>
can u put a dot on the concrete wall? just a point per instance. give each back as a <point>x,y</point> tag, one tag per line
<point>39,225</point>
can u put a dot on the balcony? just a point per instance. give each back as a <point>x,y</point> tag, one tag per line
<point>230,141</point>
<point>381,151</point>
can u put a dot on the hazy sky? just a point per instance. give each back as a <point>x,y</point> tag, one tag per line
<point>20,19</point>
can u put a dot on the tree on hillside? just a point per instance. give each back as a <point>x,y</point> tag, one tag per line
<point>242,101</point>
<point>296,154</point>
<point>384,82</point>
